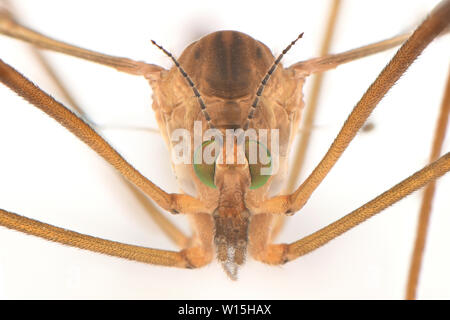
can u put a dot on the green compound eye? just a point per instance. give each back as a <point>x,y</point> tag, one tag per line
<point>258,179</point>
<point>205,172</point>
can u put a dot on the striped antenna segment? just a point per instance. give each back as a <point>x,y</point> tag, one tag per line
<point>264,82</point>
<point>191,84</point>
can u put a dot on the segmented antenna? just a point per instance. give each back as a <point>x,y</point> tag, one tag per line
<point>191,84</point>
<point>264,82</point>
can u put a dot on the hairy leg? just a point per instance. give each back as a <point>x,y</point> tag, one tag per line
<point>292,251</point>
<point>131,252</point>
<point>425,209</point>
<point>11,28</point>
<point>436,22</point>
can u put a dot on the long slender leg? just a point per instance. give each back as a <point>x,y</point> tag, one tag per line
<point>435,23</point>
<point>174,203</point>
<point>13,29</point>
<point>425,209</point>
<point>331,61</point>
<point>10,13</point>
<point>180,259</point>
<point>168,227</point>
<point>311,109</point>
<point>288,252</point>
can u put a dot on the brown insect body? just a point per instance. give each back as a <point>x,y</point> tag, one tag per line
<point>227,67</point>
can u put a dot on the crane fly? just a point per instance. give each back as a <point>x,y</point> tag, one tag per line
<point>171,185</point>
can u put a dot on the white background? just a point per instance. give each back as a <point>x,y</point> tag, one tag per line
<point>47,174</point>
